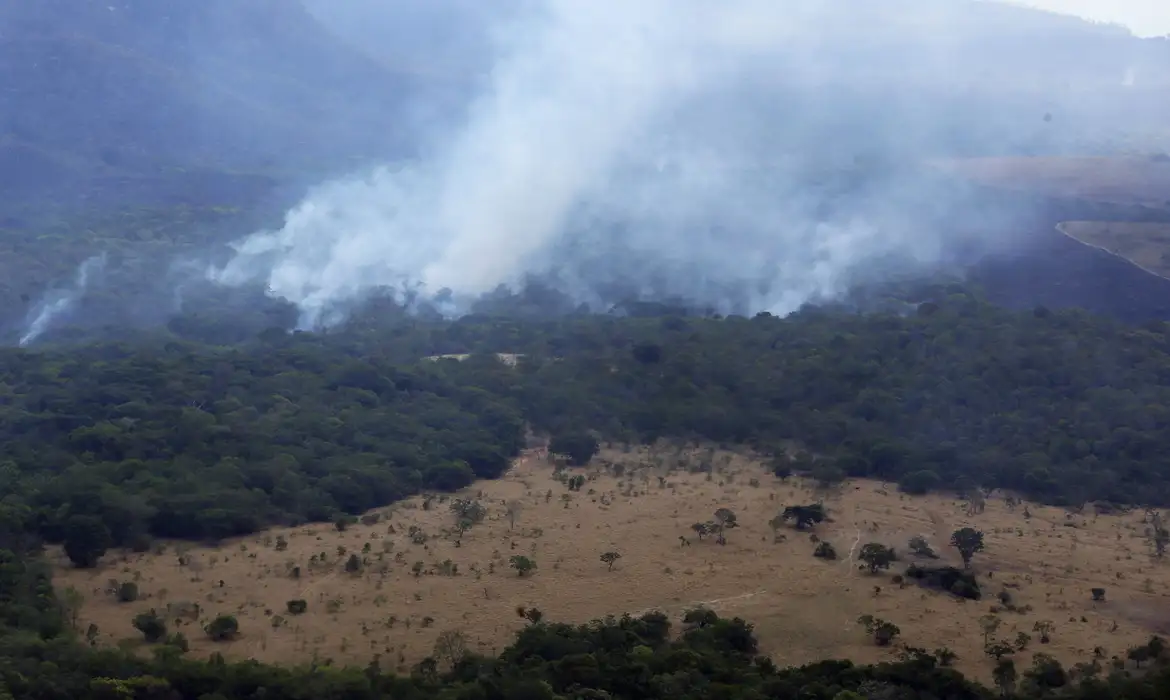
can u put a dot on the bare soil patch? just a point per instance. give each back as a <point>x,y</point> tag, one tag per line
<point>639,504</point>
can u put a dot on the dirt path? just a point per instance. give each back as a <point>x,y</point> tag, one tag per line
<point>939,526</point>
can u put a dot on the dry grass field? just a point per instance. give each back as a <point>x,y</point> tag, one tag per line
<point>639,504</point>
<point>1146,245</point>
<point>1129,180</point>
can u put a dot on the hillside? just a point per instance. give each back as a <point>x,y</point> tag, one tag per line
<point>925,490</point>
<point>112,450</point>
<point>639,503</point>
<point>140,87</point>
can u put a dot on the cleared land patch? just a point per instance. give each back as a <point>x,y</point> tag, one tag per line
<point>1128,180</point>
<point>420,579</point>
<point>1146,245</point>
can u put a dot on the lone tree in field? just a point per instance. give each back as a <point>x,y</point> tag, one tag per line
<point>968,541</point>
<point>468,513</point>
<point>877,556</point>
<point>883,631</point>
<point>522,564</point>
<point>998,650</point>
<point>805,516</point>
<point>609,558</point>
<point>1044,629</point>
<point>513,509</point>
<point>296,607</point>
<point>724,520</point>
<point>989,625</point>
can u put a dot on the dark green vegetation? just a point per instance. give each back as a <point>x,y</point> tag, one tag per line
<point>179,439</point>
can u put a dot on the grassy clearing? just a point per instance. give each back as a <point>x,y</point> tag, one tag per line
<point>420,579</point>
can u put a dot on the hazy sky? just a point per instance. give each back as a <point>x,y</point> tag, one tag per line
<point>1143,17</point>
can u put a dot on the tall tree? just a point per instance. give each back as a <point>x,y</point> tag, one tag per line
<point>86,539</point>
<point>968,541</point>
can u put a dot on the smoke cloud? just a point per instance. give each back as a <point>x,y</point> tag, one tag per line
<point>60,301</point>
<point>747,155</point>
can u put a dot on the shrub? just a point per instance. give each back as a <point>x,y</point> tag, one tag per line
<point>127,592</point>
<point>223,628</point>
<point>296,607</point>
<point>825,550</point>
<point>152,627</point>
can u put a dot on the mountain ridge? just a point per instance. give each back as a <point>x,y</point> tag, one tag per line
<point>138,87</point>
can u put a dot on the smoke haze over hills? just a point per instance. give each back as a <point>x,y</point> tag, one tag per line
<point>740,156</point>
<point>745,154</point>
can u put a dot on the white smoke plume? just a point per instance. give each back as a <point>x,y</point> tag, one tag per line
<point>60,301</point>
<point>643,144</point>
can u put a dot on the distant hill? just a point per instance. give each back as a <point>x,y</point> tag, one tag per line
<point>131,88</point>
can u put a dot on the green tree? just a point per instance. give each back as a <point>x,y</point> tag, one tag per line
<point>877,556</point>
<point>998,650</point>
<point>468,513</point>
<point>724,520</point>
<point>884,632</point>
<point>223,628</point>
<point>579,447</point>
<point>522,564</point>
<point>127,592</point>
<point>921,548</point>
<point>1005,676</point>
<point>86,539</point>
<point>609,558</point>
<point>919,483</point>
<point>805,516</point>
<point>968,541</point>
<point>151,625</point>
<point>296,607</point>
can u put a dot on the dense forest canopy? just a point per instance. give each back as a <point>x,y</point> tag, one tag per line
<point>181,439</point>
